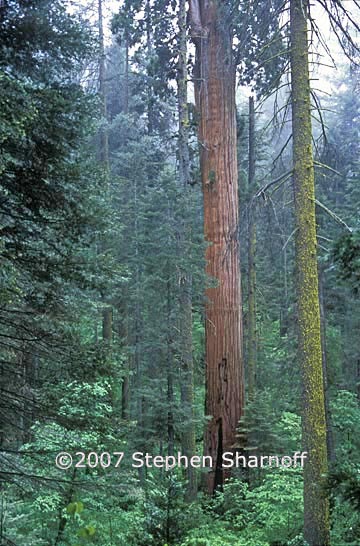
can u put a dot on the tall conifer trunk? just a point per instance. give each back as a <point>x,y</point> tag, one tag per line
<point>316,509</point>
<point>252,334</point>
<point>126,79</point>
<point>170,375</point>
<point>104,146</point>
<point>125,386</point>
<point>215,95</point>
<point>188,443</point>
<point>329,434</point>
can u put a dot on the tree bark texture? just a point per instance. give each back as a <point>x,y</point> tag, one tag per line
<point>215,95</point>
<point>316,508</point>
<point>188,441</point>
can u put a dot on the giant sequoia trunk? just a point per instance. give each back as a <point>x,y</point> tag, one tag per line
<point>215,95</point>
<point>316,510</point>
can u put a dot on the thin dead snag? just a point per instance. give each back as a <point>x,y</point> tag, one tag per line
<point>215,96</point>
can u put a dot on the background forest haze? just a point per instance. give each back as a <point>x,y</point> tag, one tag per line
<point>179,270</point>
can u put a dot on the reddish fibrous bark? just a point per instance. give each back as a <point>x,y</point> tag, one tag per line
<point>215,96</point>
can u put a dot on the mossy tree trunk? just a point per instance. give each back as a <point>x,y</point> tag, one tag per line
<point>316,508</point>
<point>215,95</point>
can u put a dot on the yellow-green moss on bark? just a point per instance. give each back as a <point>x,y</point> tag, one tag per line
<point>316,509</point>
